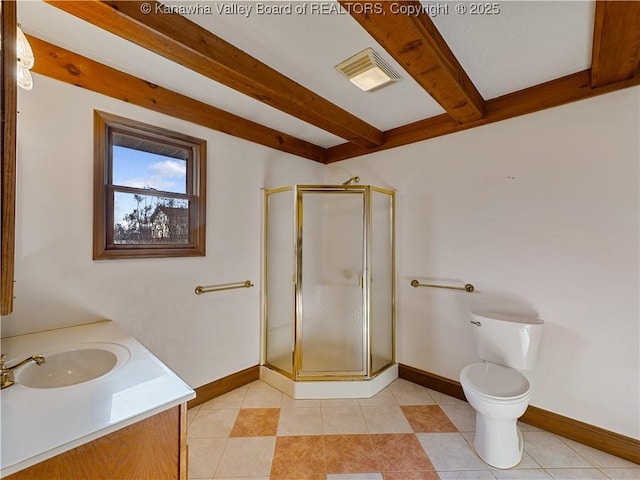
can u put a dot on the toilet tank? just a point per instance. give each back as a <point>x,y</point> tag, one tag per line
<point>507,340</point>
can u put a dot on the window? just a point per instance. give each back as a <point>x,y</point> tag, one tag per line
<point>149,191</point>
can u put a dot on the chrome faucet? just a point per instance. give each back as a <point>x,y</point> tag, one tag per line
<point>6,373</point>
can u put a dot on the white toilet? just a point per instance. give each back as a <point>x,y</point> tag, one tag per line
<point>496,388</point>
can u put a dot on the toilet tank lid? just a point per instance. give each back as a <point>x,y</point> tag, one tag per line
<point>507,317</point>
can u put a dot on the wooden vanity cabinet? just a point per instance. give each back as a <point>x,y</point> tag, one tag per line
<point>152,449</point>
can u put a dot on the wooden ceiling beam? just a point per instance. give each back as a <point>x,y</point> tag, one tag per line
<point>156,27</point>
<point>533,99</point>
<point>616,42</point>
<point>66,66</point>
<point>60,64</point>
<point>415,43</point>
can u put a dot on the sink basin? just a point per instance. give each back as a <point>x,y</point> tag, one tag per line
<point>70,367</point>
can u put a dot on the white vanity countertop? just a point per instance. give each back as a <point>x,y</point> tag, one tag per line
<point>39,423</point>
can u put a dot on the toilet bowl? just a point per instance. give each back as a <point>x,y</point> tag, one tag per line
<point>499,395</point>
<point>497,389</point>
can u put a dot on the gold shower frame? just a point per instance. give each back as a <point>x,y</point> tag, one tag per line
<point>296,341</point>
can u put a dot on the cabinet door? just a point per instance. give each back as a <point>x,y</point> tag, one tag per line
<point>152,449</point>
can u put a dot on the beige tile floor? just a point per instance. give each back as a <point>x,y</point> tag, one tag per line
<point>406,432</point>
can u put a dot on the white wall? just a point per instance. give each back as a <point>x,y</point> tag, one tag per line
<point>541,213</point>
<point>202,338</point>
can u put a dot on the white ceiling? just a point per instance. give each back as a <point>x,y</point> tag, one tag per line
<point>527,43</point>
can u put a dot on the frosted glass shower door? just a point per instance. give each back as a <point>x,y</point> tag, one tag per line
<point>279,287</point>
<point>381,314</point>
<point>331,332</point>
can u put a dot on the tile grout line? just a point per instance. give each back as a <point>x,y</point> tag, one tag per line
<point>226,442</point>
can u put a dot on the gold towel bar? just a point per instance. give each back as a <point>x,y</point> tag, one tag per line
<point>468,287</point>
<point>225,286</point>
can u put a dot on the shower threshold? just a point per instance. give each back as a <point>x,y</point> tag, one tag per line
<point>326,389</point>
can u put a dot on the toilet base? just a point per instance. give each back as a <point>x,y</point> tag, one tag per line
<point>498,442</point>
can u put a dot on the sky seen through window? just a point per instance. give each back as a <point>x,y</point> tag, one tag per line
<point>140,169</point>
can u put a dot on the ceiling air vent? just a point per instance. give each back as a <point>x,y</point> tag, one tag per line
<point>368,70</point>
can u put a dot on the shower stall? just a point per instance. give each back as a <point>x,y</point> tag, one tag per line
<point>328,289</point>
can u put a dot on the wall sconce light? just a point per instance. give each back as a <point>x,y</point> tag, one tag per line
<point>368,70</point>
<point>25,58</point>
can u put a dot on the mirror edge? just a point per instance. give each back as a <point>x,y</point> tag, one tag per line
<point>9,121</point>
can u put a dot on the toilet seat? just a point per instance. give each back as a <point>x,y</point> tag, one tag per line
<point>495,382</point>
